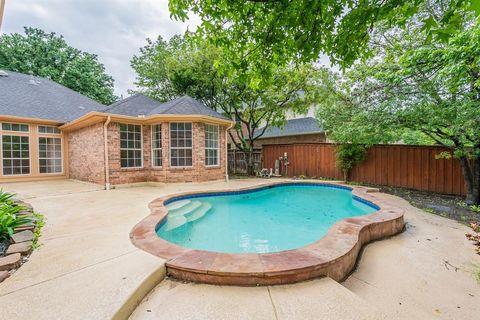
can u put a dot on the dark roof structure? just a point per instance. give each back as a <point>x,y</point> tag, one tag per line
<point>141,105</point>
<point>293,127</point>
<point>23,95</point>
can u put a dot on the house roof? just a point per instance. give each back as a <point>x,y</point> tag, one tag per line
<point>141,105</point>
<point>293,127</point>
<point>29,96</point>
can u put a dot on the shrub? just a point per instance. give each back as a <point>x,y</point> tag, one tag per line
<point>348,155</point>
<point>9,218</point>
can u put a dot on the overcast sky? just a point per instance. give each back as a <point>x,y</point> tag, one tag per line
<point>112,29</point>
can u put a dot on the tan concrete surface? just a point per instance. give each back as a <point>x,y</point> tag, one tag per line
<point>321,299</point>
<point>414,276</point>
<point>88,269</point>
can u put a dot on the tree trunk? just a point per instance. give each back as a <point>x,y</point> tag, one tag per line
<point>249,161</point>
<point>345,175</point>
<point>471,175</point>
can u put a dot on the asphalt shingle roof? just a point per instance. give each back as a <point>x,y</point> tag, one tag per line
<point>293,127</point>
<point>23,95</point>
<point>139,104</point>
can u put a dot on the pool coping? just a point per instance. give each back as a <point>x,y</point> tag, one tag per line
<point>333,255</point>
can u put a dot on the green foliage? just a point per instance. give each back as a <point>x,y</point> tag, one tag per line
<point>48,55</point>
<point>475,208</point>
<point>196,68</point>
<point>349,155</point>
<point>270,32</point>
<point>9,219</point>
<point>413,85</point>
<point>39,223</point>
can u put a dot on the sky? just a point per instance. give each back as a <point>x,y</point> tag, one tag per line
<point>115,30</point>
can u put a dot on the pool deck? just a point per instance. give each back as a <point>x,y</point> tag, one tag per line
<point>87,268</point>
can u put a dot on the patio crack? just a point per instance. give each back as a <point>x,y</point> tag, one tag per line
<point>273,304</point>
<point>68,273</point>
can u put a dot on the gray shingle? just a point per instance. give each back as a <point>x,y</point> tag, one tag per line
<point>23,95</point>
<point>139,104</point>
<point>293,127</point>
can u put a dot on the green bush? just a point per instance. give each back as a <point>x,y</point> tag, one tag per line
<point>348,155</point>
<point>9,218</point>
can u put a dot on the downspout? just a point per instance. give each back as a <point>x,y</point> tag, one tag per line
<point>105,148</point>
<point>226,151</point>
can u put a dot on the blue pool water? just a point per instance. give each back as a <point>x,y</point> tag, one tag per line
<point>270,219</point>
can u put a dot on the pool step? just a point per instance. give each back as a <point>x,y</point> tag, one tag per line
<point>185,209</point>
<point>177,204</point>
<point>199,212</point>
<point>174,222</point>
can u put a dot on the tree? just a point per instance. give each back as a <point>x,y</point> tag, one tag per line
<point>277,32</point>
<point>417,85</point>
<point>48,55</point>
<point>195,68</point>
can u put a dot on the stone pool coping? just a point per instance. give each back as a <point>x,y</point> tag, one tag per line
<point>334,255</point>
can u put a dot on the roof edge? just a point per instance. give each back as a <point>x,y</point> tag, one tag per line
<point>96,116</point>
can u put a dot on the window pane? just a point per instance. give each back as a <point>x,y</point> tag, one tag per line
<point>48,129</point>
<point>181,144</point>
<point>16,153</point>
<point>15,127</point>
<point>211,145</point>
<point>130,145</point>
<point>157,145</point>
<point>49,159</point>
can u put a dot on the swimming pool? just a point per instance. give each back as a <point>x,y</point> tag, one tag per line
<point>271,219</point>
<point>243,236</point>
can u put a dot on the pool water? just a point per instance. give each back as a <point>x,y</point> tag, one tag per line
<point>269,219</point>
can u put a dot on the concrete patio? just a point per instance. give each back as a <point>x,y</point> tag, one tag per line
<point>88,269</point>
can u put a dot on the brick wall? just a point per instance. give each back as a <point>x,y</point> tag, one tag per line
<point>198,172</point>
<point>86,154</point>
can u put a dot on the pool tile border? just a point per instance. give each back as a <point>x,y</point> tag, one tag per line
<point>334,255</point>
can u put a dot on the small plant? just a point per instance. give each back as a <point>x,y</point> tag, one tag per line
<point>475,208</point>
<point>40,222</point>
<point>6,198</point>
<point>348,155</point>
<point>475,236</point>
<point>10,220</point>
<point>428,210</point>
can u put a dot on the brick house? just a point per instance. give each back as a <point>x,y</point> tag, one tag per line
<point>51,132</point>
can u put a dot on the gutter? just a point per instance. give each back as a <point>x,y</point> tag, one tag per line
<point>105,148</point>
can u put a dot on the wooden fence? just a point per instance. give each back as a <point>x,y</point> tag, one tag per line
<point>237,163</point>
<point>414,167</point>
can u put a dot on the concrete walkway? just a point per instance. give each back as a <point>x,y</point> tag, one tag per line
<point>88,269</point>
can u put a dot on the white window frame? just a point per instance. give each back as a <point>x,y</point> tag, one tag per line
<point>53,136</point>
<point>23,134</point>
<point>170,145</point>
<point>217,148</point>
<point>153,149</point>
<point>141,146</point>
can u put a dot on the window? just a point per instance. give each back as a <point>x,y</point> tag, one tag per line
<point>15,127</point>
<point>181,144</point>
<point>48,129</point>
<point>211,145</point>
<point>157,145</point>
<point>130,146</point>
<point>16,154</point>
<point>50,155</point>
